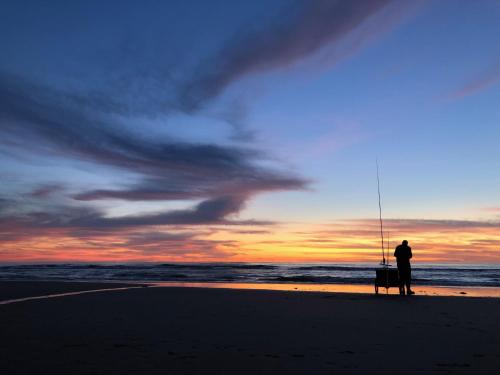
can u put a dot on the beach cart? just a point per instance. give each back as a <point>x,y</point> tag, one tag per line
<point>386,277</point>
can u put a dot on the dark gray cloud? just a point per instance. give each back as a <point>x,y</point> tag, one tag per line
<point>140,81</point>
<point>210,211</point>
<point>85,221</point>
<point>243,182</point>
<point>43,120</point>
<point>39,116</point>
<point>40,120</point>
<point>45,191</point>
<point>302,30</point>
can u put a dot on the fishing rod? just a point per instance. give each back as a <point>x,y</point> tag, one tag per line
<point>380,216</point>
<point>388,248</point>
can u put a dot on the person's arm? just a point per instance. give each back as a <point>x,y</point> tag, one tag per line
<point>396,253</point>
<point>410,255</point>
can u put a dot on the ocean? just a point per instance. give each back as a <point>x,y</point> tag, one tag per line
<point>359,273</point>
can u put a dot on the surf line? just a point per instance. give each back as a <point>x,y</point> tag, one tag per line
<point>47,296</point>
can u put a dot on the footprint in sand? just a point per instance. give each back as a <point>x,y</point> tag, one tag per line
<point>272,356</point>
<point>453,364</point>
<point>346,352</point>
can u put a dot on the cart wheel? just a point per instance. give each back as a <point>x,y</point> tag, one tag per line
<point>376,289</point>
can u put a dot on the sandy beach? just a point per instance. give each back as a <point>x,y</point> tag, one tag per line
<point>12,290</point>
<point>219,331</point>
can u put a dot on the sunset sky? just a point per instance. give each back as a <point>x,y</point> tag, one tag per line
<point>249,130</point>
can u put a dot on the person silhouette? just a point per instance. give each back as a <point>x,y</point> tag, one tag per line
<point>403,255</point>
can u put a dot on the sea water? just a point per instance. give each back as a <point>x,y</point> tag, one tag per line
<point>462,275</point>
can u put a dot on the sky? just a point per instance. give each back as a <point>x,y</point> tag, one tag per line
<point>237,131</point>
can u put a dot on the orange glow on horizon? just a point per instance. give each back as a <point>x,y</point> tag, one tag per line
<point>343,241</point>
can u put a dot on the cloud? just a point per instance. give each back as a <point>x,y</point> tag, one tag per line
<point>492,209</point>
<point>436,240</point>
<point>44,119</point>
<point>210,211</point>
<point>45,191</point>
<point>420,230</point>
<point>244,181</point>
<point>83,232</point>
<point>177,244</point>
<point>148,238</point>
<point>441,224</point>
<point>251,231</point>
<point>480,83</point>
<point>140,245</point>
<point>370,228</point>
<point>306,28</point>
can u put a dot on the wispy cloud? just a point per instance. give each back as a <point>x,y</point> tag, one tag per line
<point>141,245</point>
<point>433,240</point>
<point>45,191</point>
<point>306,28</point>
<point>481,82</point>
<point>492,209</point>
<point>184,245</point>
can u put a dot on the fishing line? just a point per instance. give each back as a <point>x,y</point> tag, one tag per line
<point>380,216</point>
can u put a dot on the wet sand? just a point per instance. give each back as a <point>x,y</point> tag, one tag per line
<point>23,289</point>
<point>221,331</point>
<point>344,288</point>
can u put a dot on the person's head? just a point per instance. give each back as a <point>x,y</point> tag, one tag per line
<point>405,243</point>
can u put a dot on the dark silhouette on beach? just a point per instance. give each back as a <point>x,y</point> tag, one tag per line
<point>403,255</point>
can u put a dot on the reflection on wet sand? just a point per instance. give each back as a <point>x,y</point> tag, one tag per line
<point>345,288</point>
